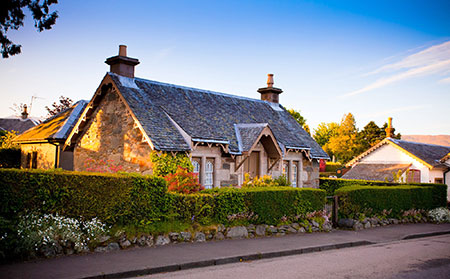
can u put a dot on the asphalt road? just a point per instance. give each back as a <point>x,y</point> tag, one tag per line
<point>417,258</point>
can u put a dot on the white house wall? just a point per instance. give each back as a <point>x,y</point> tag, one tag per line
<point>388,154</point>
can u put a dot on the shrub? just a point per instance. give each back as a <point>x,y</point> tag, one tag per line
<point>166,163</point>
<point>332,184</point>
<point>439,215</point>
<point>357,199</point>
<point>110,197</point>
<point>264,181</point>
<point>183,181</point>
<point>332,167</point>
<point>265,205</point>
<point>192,208</point>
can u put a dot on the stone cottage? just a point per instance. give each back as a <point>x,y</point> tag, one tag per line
<point>42,146</point>
<point>224,135</point>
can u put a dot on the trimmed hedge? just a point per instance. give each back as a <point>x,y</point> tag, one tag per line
<point>358,199</point>
<point>332,184</point>
<point>136,199</point>
<point>110,197</point>
<point>268,204</point>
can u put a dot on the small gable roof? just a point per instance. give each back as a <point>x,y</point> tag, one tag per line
<point>163,109</point>
<point>377,172</point>
<point>428,154</point>
<point>55,128</point>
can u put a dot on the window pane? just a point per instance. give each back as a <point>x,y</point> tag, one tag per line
<point>294,179</point>
<point>209,171</point>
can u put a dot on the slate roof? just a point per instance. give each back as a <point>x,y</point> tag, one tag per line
<point>377,172</point>
<point>247,134</point>
<point>206,115</point>
<point>17,124</point>
<point>430,153</point>
<point>57,127</point>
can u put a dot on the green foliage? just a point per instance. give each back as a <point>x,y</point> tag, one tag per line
<point>332,184</point>
<point>183,181</point>
<point>268,205</point>
<point>356,199</point>
<point>193,207</point>
<point>324,132</point>
<point>12,17</point>
<point>166,163</point>
<point>7,140</point>
<point>9,158</point>
<point>264,181</point>
<point>112,198</point>
<point>332,167</point>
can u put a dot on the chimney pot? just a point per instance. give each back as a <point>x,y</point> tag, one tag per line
<point>389,130</point>
<point>25,112</point>
<point>269,80</point>
<point>123,50</point>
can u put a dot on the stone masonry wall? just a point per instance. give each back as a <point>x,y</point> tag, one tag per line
<point>112,137</point>
<point>45,155</point>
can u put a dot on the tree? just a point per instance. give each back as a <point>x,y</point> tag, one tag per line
<point>12,16</point>
<point>344,144</point>
<point>64,103</point>
<point>297,116</point>
<point>324,132</point>
<point>370,136</point>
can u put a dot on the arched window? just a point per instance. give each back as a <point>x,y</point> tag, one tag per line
<point>209,175</point>
<point>196,170</point>
<point>294,173</point>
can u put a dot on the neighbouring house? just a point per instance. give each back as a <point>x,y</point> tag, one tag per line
<point>42,146</point>
<point>394,159</point>
<point>18,124</point>
<point>224,135</point>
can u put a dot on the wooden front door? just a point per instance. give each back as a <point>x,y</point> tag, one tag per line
<point>252,165</point>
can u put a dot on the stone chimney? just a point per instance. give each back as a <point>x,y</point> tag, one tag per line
<point>25,112</point>
<point>121,64</point>
<point>270,93</point>
<point>389,130</point>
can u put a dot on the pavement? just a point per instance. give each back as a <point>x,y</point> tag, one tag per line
<point>150,260</point>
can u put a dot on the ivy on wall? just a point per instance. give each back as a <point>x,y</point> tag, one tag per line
<point>166,163</point>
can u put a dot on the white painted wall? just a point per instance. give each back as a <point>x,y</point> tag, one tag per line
<point>388,154</point>
<point>447,180</point>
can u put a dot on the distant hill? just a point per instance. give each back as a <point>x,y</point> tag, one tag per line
<point>439,139</point>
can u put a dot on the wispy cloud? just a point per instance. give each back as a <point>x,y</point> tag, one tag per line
<point>390,112</point>
<point>432,60</point>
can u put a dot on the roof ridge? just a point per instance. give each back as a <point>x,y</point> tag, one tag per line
<point>199,90</point>
<point>415,142</point>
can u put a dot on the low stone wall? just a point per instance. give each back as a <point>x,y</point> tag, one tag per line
<point>373,222</point>
<point>123,241</point>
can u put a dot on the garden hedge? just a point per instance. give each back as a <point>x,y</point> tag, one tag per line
<point>269,204</point>
<point>134,199</point>
<point>361,199</point>
<point>110,197</point>
<point>332,184</point>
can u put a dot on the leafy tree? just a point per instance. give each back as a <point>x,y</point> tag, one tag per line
<point>297,116</point>
<point>344,144</point>
<point>306,128</point>
<point>370,136</point>
<point>324,132</point>
<point>6,139</point>
<point>12,16</point>
<point>64,103</point>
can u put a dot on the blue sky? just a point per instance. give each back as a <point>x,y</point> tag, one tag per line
<point>374,59</point>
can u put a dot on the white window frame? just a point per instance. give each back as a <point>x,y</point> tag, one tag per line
<point>209,174</point>
<point>294,174</point>
<point>196,169</point>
